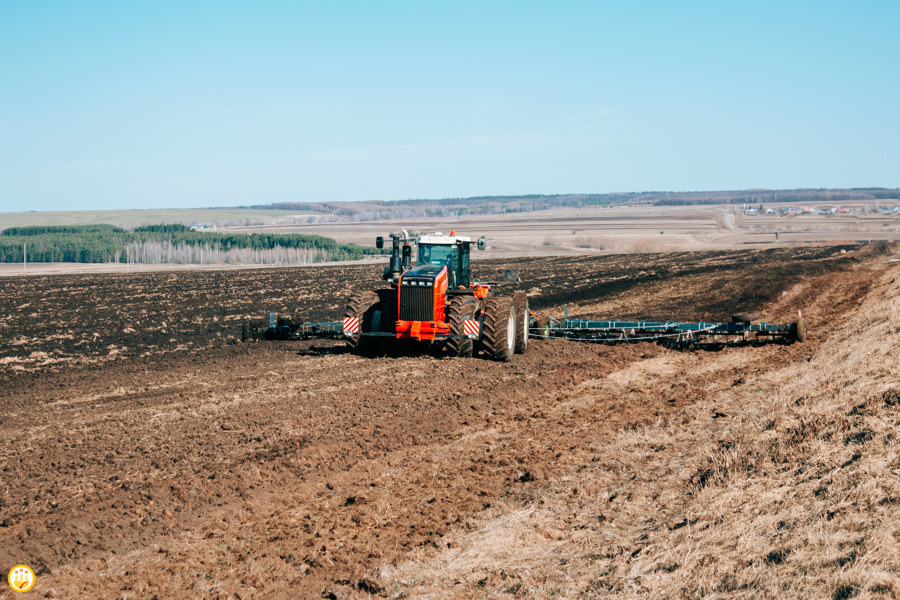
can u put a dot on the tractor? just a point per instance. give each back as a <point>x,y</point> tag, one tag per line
<point>436,302</point>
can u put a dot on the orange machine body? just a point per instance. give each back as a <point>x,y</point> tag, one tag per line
<point>430,328</point>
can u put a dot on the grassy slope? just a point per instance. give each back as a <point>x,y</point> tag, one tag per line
<point>134,218</point>
<point>780,478</point>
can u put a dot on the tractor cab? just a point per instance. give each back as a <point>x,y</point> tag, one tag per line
<point>451,251</point>
<point>435,250</point>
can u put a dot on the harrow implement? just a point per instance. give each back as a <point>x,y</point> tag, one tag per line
<point>671,333</point>
<point>286,328</point>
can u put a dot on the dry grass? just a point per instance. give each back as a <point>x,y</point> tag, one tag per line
<point>785,483</point>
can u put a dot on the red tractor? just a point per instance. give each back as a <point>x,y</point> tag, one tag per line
<point>436,302</point>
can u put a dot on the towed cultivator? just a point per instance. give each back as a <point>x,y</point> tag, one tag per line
<point>672,333</point>
<point>437,302</point>
<point>281,328</point>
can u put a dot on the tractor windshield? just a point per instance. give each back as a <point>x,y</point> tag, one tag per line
<point>441,254</point>
<point>444,254</point>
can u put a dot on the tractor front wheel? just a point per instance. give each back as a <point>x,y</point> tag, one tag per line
<point>498,331</point>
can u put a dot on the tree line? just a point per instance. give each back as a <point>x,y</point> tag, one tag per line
<point>167,244</point>
<point>374,210</point>
<point>753,197</point>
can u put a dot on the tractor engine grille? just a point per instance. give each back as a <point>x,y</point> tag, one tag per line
<point>417,303</point>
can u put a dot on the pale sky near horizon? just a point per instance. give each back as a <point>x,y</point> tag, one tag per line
<point>167,104</point>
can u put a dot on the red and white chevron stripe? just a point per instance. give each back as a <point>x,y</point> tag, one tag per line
<point>470,328</point>
<point>351,325</point>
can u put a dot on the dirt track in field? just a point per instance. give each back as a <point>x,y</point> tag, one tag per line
<point>148,453</point>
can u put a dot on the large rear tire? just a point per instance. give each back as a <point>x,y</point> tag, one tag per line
<point>358,306</point>
<point>498,331</point>
<point>459,310</point>
<point>523,320</point>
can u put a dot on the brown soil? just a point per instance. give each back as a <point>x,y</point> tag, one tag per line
<point>148,453</point>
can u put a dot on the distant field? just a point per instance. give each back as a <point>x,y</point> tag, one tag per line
<point>559,231</point>
<point>620,229</point>
<point>136,218</point>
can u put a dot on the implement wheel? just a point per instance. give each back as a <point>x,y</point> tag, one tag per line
<point>745,317</point>
<point>800,333</point>
<point>498,331</point>
<point>459,310</point>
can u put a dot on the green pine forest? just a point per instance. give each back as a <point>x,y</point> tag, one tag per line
<point>156,244</point>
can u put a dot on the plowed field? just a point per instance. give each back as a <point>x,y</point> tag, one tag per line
<point>148,453</point>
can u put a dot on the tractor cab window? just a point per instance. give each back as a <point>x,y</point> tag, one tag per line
<point>464,266</point>
<point>441,254</point>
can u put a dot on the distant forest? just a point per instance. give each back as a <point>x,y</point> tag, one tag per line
<point>480,205</point>
<point>155,244</point>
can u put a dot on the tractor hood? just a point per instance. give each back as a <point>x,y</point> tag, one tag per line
<point>433,277</point>
<point>422,293</point>
<point>424,272</point>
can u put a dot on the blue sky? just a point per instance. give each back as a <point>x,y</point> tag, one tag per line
<point>191,104</point>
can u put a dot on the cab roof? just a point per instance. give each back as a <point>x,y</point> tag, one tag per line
<point>440,238</point>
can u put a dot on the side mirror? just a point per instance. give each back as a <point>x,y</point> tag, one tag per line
<point>379,242</point>
<point>482,243</point>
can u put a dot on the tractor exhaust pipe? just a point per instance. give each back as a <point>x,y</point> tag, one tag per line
<point>407,257</point>
<point>400,260</point>
<point>395,266</point>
